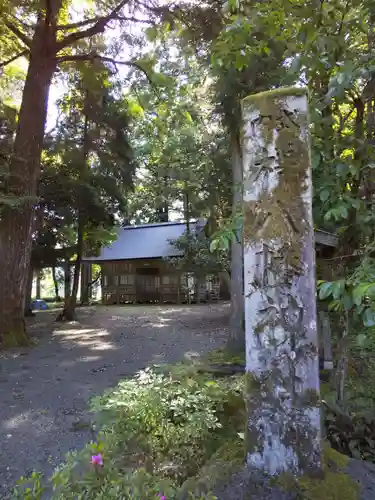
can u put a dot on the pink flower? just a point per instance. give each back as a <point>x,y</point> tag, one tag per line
<point>97,459</point>
<point>162,497</point>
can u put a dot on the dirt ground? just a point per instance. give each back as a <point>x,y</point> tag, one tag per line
<point>44,389</point>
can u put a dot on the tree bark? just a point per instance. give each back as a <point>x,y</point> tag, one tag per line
<point>236,339</point>
<point>67,280</point>
<point>86,283</point>
<point>69,312</point>
<point>38,292</point>
<point>55,284</point>
<point>28,308</point>
<point>16,223</point>
<point>283,432</point>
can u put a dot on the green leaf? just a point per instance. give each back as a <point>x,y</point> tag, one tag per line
<point>347,302</point>
<point>188,116</point>
<point>325,290</point>
<point>338,287</point>
<point>361,340</point>
<point>335,305</point>
<point>214,245</point>
<point>324,195</point>
<point>369,318</point>
<point>343,211</point>
<point>315,162</point>
<point>360,291</point>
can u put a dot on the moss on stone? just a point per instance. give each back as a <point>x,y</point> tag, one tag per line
<point>332,457</point>
<point>280,92</point>
<point>228,459</point>
<point>335,485</point>
<point>225,462</point>
<point>282,213</point>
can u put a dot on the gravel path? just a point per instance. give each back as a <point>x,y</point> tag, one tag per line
<point>44,390</point>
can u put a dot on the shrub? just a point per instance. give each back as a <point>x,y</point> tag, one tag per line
<point>157,430</point>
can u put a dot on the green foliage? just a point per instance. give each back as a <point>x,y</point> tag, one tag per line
<point>222,238</point>
<point>352,296</point>
<point>198,255</point>
<point>160,432</point>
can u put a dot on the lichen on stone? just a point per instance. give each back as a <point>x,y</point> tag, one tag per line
<point>336,484</point>
<point>279,213</point>
<point>226,461</point>
<point>280,92</point>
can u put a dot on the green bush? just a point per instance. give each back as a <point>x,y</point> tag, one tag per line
<point>157,431</point>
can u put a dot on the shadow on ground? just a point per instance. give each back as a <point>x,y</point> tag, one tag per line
<point>44,389</point>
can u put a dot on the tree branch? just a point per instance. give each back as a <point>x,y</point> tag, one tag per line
<point>97,57</point>
<point>135,20</point>
<point>79,24</point>
<point>48,12</point>
<point>97,28</point>
<point>19,34</point>
<point>8,61</point>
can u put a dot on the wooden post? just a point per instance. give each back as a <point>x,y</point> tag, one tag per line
<point>283,432</point>
<point>326,337</point>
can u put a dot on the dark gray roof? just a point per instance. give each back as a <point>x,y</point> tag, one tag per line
<point>147,241</point>
<point>150,241</point>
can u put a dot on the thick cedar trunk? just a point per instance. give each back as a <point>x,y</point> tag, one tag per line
<point>236,339</point>
<point>16,224</point>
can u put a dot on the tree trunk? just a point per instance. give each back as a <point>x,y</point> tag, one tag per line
<point>38,292</point>
<point>69,311</point>
<point>86,283</point>
<point>16,223</point>
<point>29,290</point>
<point>283,431</point>
<point>236,339</point>
<point>67,280</point>
<point>55,284</point>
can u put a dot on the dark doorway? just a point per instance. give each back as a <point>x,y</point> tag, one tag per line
<point>148,284</point>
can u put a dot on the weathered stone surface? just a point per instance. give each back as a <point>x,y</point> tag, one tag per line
<point>279,275</point>
<point>344,479</point>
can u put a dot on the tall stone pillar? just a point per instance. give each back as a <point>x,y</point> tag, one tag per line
<point>283,431</point>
